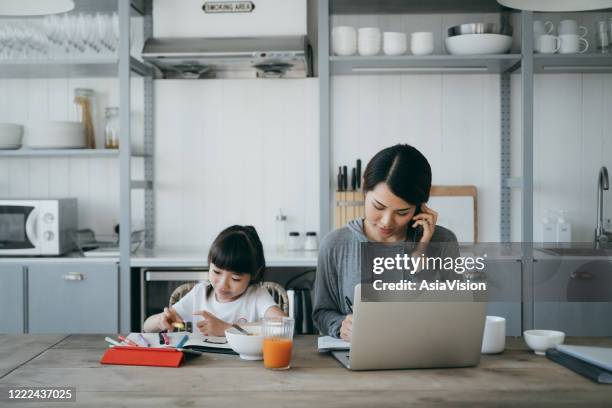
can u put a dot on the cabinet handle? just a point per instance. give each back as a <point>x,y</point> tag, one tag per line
<point>73,276</point>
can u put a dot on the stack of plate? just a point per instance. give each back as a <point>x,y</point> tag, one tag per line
<point>56,135</point>
<point>10,136</point>
<point>479,38</point>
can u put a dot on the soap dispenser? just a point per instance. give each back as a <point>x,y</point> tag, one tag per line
<point>549,230</point>
<point>564,228</point>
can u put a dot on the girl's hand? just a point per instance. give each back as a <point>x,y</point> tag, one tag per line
<point>211,325</point>
<point>167,317</point>
<point>427,219</point>
<point>346,330</point>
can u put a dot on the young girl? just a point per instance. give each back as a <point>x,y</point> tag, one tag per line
<point>236,264</point>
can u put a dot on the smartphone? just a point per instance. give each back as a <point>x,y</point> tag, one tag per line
<point>416,232</point>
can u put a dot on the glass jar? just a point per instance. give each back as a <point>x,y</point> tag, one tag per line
<point>294,243</point>
<point>85,104</point>
<point>111,129</point>
<point>311,243</point>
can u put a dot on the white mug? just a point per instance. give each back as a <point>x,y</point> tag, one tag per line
<point>344,40</point>
<point>570,44</point>
<point>368,41</point>
<point>494,337</point>
<point>548,44</point>
<point>571,27</point>
<point>422,43</point>
<point>542,27</point>
<point>395,43</point>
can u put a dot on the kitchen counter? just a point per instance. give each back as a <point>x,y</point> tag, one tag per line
<point>74,257</point>
<point>172,257</point>
<point>516,377</point>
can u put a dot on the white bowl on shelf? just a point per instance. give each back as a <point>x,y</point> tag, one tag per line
<point>11,136</point>
<point>478,44</point>
<point>541,340</point>
<point>56,135</point>
<point>249,347</point>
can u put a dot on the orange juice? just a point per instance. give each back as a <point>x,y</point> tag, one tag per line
<point>277,352</point>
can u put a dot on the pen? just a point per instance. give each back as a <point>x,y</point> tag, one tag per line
<point>349,303</point>
<point>182,342</point>
<point>111,341</point>
<point>144,340</point>
<point>166,338</point>
<point>128,341</point>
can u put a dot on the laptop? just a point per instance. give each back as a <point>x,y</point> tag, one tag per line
<point>416,334</point>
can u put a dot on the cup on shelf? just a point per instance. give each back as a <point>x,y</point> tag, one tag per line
<point>395,43</point>
<point>344,40</point>
<point>421,43</point>
<point>541,28</point>
<point>602,36</point>
<point>548,44</point>
<point>368,41</point>
<point>571,44</point>
<point>570,26</point>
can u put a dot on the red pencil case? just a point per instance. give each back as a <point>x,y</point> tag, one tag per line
<point>143,356</point>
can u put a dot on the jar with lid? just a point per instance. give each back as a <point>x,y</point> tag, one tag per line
<point>85,105</point>
<point>294,243</point>
<point>311,243</point>
<point>111,129</point>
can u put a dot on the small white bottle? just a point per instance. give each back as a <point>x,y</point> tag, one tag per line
<point>564,228</point>
<point>549,229</point>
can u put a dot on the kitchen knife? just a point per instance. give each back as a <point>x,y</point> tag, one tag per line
<point>344,178</point>
<point>339,179</point>
<point>353,179</point>
<point>359,174</point>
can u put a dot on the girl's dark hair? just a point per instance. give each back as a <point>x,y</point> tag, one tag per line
<point>404,169</point>
<point>239,249</point>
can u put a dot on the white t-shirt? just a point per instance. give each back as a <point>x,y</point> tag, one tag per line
<point>250,307</point>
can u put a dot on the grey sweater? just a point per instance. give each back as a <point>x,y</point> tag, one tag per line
<point>339,271</point>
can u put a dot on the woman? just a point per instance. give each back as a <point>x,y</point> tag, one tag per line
<point>396,183</point>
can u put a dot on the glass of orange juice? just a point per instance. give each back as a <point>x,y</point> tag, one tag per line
<point>278,342</point>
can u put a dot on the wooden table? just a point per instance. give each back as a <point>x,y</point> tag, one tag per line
<point>516,377</point>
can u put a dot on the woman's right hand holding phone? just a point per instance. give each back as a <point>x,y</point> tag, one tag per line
<point>346,330</point>
<point>167,317</point>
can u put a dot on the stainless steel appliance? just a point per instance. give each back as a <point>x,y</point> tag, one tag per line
<point>32,227</point>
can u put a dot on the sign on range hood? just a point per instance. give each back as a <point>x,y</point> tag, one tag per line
<point>229,39</point>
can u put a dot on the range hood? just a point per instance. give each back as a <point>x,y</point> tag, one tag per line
<point>248,57</point>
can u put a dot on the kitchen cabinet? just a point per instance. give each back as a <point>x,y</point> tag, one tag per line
<point>504,292</point>
<point>573,295</point>
<point>73,298</point>
<point>12,317</point>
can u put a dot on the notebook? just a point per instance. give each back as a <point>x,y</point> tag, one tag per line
<point>196,341</point>
<point>598,356</point>
<point>328,343</point>
<point>581,367</point>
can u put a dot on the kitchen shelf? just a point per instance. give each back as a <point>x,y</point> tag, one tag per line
<point>429,64</point>
<point>413,6</point>
<point>572,63</point>
<point>68,68</point>
<point>60,153</point>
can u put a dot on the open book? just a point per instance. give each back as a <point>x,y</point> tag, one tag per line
<point>328,343</point>
<point>196,341</point>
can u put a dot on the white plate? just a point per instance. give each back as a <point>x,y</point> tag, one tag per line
<point>478,44</point>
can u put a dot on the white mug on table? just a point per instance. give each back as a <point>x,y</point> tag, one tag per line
<point>494,337</point>
<point>344,40</point>
<point>421,43</point>
<point>570,44</point>
<point>395,43</point>
<point>571,27</point>
<point>548,44</point>
<point>368,41</point>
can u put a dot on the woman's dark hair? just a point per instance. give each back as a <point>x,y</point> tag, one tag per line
<point>239,249</point>
<point>404,169</point>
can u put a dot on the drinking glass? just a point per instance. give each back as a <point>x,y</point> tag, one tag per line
<point>278,342</point>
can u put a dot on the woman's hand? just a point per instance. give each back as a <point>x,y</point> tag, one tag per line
<point>210,325</point>
<point>427,219</point>
<point>167,317</point>
<point>346,330</point>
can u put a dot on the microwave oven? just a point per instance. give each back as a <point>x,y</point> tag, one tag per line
<point>33,227</point>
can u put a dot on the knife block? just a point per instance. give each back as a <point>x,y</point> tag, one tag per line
<point>348,206</point>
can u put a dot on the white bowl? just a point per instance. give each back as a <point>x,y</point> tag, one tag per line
<point>10,136</point>
<point>541,340</point>
<point>471,44</point>
<point>249,347</point>
<point>56,135</point>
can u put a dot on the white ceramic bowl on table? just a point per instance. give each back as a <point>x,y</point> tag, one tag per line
<point>477,44</point>
<point>249,347</point>
<point>541,340</point>
<point>10,136</point>
<point>56,135</point>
